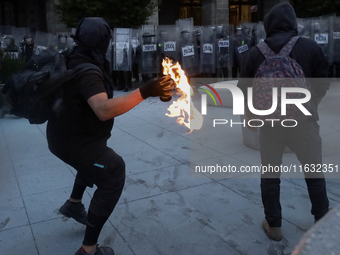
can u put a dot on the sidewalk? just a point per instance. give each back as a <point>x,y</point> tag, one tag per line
<point>162,209</point>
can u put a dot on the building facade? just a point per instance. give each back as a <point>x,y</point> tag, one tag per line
<point>38,15</point>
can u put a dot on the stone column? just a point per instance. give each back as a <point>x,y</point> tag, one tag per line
<point>222,12</point>
<point>215,12</point>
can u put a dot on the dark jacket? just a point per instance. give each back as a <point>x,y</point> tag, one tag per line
<point>280,25</point>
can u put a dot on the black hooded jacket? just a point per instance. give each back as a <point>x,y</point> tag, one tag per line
<point>281,25</point>
<point>77,136</point>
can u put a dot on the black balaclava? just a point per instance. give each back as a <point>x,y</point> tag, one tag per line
<point>92,37</point>
<point>93,33</point>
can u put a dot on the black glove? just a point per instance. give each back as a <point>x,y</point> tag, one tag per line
<point>158,87</point>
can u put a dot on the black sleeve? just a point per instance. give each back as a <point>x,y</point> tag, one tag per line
<point>91,84</point>
<point>319,84</point>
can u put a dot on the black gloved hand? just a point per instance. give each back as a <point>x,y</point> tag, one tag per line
<point>158,87</point>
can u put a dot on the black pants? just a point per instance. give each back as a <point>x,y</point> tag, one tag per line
<point>135,71</point>
<point>305,141</point>
<point>108,174</point>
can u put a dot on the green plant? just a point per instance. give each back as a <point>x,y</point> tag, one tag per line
<point>10,66</point>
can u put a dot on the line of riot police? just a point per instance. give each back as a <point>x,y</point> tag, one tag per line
<point>213,51</point>
<point>202,51</point>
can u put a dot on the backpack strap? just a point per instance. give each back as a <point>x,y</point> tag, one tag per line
<point>286,50</point>
<point>265,50</point>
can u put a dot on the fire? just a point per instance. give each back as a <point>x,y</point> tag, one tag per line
<point>183,108</point>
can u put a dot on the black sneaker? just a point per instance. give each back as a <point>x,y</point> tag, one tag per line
<point>75,211</point>
<point>99,251</point>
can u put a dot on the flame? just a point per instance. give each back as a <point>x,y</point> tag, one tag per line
<point>183,108</point>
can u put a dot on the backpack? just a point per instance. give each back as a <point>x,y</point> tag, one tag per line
<point>277,71</point>
<point>36,92</point>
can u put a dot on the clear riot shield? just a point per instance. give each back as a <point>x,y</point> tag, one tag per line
<point>208,50</point>
<point>304,27</point>
<point>249,31</point>
<point>109,52</point>
<point>121,49</point>
<point>187,43</point>
<point>70,39</point>
<point>260,33</point>
<point>136,53</point>
<point>150,62</point>
<point>321,30</point>
<point>43,41</point>
<point>62,41</point>
<point>223,45</point>
<point>11,44</point>
<point>19,33</point>
<point>336,43</point>
<point>167,42</point>
<point>2,42</point>
<point>240,48</point>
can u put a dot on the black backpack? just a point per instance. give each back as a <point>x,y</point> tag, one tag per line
<point>36,92</point>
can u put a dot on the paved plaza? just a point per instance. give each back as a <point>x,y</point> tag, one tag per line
<point>163,210</point>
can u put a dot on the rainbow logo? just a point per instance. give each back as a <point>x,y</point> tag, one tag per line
<point>208,92</point>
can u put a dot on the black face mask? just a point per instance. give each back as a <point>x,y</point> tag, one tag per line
<point>93,34</point>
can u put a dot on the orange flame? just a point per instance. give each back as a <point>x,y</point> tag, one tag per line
<point>183,108</point>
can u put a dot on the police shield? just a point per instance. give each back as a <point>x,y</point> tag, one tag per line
<point>167,42</point>
<point>322,33</point>
<point>260,33</point>
<point>61,42</point>
<point>207,50</point>
<point>109,52</point>
<point>43,41</point>
<point>136,52</point>
<point>250,32</point>
<point>304,27</point>
<point>121,49</point>
<point>19,33</point>
<point>11,48</point>
<point>240,48</point>
<point>188,51</point>
<point>223,49</point>
<point>336,42</point>
<point>150,62</point>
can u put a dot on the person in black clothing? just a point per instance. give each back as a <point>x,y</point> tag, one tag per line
<point>240,50</point>
<point>304,139</point>
<point>79,134</point>
<point>224,53</point>
<point>28,48</point>
<point>136,55</point>
<point>62,43</point>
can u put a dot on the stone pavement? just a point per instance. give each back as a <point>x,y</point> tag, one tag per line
<point>163,210</point>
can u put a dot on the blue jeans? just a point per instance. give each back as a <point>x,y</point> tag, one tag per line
<point>305,141</point>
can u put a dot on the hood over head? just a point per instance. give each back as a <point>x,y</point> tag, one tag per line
<point>281,18</point>
<point>280,25</point>
<point>92,37</point>
<point>93,33</point>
